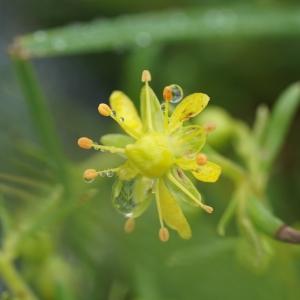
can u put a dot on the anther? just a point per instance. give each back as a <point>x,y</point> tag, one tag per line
<point>210,127</point>
<point>146,76</point>
<point>167,93</point>
<point>207,208</point>
<point>164,234</point>
<point>90,174</point>
<point>104,110</point>
<point>201,159</point>
<point>85,143</point>
<point>129,225</point>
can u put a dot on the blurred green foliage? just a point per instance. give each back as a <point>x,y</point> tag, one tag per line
<point>64,237</point>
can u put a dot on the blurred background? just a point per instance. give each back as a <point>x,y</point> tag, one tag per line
<point>79,250</point>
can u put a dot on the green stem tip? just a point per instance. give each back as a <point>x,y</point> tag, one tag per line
<point>288,234</point>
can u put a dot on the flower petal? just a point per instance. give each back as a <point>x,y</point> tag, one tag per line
<point>131,198</point>
<point>151,113</point>
<point>188,108</point>
<point>188,186</point>
<point>116,140</point>
<point>210,172</point>
<point>172,213</point>
<point>188,140</point>
<point>126,114</point>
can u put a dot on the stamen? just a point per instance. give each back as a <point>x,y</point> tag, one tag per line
<point>146,76</point>
<point>205,207</point>
<point>163,231</point>
<point>110,149</point>
<point>164,234</point>
<point>129,225</point>
<point>108,172</point>
<point>104,110</point>
<point>85,143</point>
<point>201,159</point>
<point>210,127</point>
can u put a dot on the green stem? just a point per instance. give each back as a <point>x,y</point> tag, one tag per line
<point>13,279</point>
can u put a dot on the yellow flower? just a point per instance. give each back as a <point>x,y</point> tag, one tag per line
<point>157,151</point>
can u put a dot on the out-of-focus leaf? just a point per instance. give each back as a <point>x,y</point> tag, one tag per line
<point>167,26</point>
<point>280,120</point>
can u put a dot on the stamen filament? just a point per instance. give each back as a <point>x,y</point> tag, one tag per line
<point>146,77</point>
<point>163,231</point>
<point>207,208</point>
<point>110,149</point>
<point>157,198</point>
<point>166,115</point>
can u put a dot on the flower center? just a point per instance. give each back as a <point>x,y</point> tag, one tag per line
<point>151,155</point>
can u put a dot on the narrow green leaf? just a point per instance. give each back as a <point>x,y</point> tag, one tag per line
<point>281,118</point>
<point>41,117</point>
<point>143,29</point>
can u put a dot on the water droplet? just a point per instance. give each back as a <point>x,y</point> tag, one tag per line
<point>113,113</point>
<point>123,197</point>
<point>163,107</point>
<point>109,173</point>
<point>173,93</point>
<point>89,180</point>
<point>122,119</point>
<point>143,39</point>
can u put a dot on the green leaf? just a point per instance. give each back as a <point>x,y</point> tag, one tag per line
<point>167,26</point>
<point>280,120</point>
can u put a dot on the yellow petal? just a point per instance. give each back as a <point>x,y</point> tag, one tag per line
<point>151,113</point>
<point>188,140</point>
<point>188,108</point>
<point>172,213</point>
<point>210,172</point>
<point>126,114</point>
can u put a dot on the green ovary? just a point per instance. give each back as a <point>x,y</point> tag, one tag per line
<point>151,155</point>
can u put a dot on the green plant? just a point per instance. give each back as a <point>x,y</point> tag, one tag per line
<point>66,192</point>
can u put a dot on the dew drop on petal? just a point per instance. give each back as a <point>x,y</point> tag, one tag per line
<point>123,197</point>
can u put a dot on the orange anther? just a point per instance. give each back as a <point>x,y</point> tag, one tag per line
<point>85,143</point>
<point>167,93</point>
<point>90,174</point>
<point>201,159</point>
<point>104,110</point>
<point>164,234</point>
